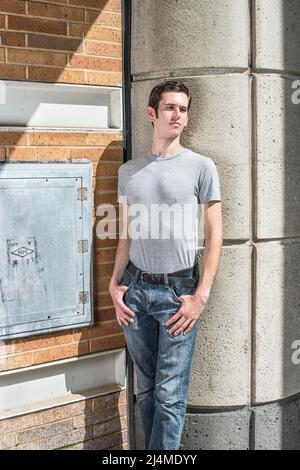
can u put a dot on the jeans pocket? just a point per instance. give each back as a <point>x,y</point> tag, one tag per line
<point>178,291</point>
<point>128,281</point>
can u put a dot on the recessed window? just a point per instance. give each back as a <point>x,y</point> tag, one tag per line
<point>55,105</point>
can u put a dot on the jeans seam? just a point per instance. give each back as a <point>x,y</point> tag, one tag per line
<point>181,399</point>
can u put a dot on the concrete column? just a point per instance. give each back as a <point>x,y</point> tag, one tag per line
<point>239,60</point>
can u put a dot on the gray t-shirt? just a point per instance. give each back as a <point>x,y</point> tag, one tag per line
<point>164,195</point>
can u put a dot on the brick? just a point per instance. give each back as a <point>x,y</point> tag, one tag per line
<point>110,427</point>
<point>55,11</point>
<point>108,168</point>
<point>104,18</point>
<point>108,243</point>
<point>38,154</point>
<point>106,198</point>
<point>73,437</point>
<point>102,33</point>
<point>7,440</point>
<point>2,157</point>
<point>77,30</point>
<point>102,414</point>
<point>54,42</point>
<point>104,78</point>
<point>2,21</point>
<point>63,2</point>
<point>105,269</point>
<point>6,348</point>
<point>18,361</point>
<point>49,74</point>
<point>104,298</point>
<point>95,63</point>
<point>20,153</point>
<point>95,155</point>
<point>112,441</point>
<point>124,446</point>
<point>111,235</point>
<point>46,431</point>
<point>88,153</point>
<point>30,446</point>
<point>13,138</point>
<point>12,6</point>
<point>113,5</point>
<point>21,56</point>
<point>103,49</point>
<point>61,352</point>
<point>109,184</point>
<point>105,256</point>
<point>104,314</point>
<point>106,328</point>
<point>57,138</point>
<point>115,140</point>
<point>1,54</point>
<point>111,401</point>
<point>33,420</point>
<point>81,334</point>
<point>8,38</point>
<point>51,153</point>
<point>12,72</point>
<point>105,344</point>
<point>29,344</point>
<point>36,25</point>
<point>98,33</point>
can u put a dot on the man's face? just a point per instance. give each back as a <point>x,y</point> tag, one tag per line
<point>172,114</point>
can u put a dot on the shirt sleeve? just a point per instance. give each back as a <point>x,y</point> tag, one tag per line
<point>121,196</point>
<point>208,183</point>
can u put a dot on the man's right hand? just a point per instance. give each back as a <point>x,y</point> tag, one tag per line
<point>123,314</point>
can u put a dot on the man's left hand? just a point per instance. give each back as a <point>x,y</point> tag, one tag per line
<point>186,317</point>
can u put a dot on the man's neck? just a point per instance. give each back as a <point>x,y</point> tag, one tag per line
<point>166,149</point>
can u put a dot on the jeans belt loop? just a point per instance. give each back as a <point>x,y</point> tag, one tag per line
<point>136,274</point>
<point>166,279</point>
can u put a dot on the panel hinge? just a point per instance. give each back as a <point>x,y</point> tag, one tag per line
<point>81,194</point>
<point>83,297</point>
<point>83,246</point>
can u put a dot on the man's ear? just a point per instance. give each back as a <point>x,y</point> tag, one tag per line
<point>150,113</point>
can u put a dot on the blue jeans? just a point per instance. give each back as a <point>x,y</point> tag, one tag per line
<point>162,361</point>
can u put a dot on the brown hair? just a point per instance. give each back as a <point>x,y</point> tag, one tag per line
<point>170,85</point>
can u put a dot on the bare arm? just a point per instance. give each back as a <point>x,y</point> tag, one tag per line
<point>116,290</point>
<point>212,251</point>
<point>193,305</point>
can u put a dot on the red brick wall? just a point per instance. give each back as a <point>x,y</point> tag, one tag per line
<point>75,41</point>
<point>93,424</point>
<point>67,41</point>
<point>83,38</point>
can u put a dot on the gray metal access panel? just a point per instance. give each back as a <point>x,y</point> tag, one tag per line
<point>45,247</point>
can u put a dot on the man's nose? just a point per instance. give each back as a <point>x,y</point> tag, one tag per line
<point>176,111</point>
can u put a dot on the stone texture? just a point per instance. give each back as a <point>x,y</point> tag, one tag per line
<point>217,431</point>
<point>277,426</point>
<point>163,32</point>
<point>277,35</point>
<point>221,368</point>
<point>219,126</point>
<point>278,165</point>
<point>277,321</point>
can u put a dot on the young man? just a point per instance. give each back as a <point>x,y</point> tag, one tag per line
<point>156,288</point>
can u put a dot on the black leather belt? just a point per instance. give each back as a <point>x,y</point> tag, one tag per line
<point>183,278</point>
